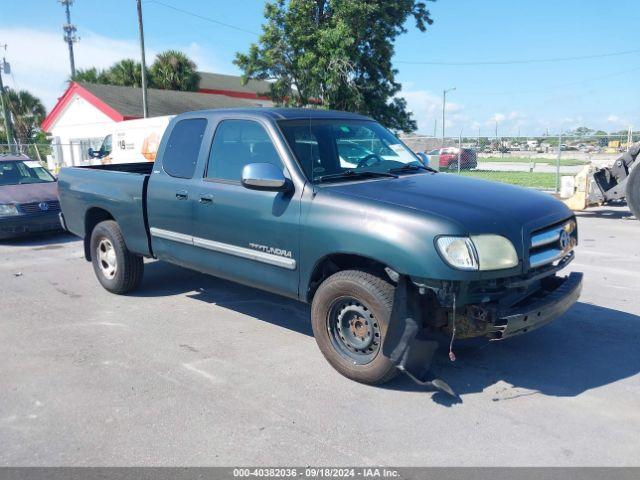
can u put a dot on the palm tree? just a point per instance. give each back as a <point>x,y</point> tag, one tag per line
<point>173,70</point>
<point>27,112</point>
<point>91,75</point>
<point>126,72</point>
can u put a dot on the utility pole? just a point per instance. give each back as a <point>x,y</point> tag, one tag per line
<point>69,34</point>
<point>444,103</point>
<point>6,68</point>
<point>145,108</point>
<point>558,162</point>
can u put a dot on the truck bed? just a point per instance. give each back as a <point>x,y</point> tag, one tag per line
<point>117,191</point>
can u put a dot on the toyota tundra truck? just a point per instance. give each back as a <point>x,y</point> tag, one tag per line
<point>332,209</point>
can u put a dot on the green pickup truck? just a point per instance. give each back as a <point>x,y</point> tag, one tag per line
<point>330,208</point>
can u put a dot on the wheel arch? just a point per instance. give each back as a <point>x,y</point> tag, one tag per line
<point>336,262</point>
<point>93,217</point>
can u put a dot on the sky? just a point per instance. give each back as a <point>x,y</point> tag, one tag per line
<point>527,98</point>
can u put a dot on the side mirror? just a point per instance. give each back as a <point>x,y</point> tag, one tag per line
<point>264,176</point>
<point>91,152</point>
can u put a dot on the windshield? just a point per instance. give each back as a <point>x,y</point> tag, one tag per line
<point>326,148</point>
<point>21,172</point>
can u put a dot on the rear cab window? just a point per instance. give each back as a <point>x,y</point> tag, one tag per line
<point>183,147</point>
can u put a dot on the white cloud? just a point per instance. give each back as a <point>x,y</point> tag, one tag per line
<point>427,109</point>
<point>497,117</point>
<point>616,121</point>
<point>40,59</point>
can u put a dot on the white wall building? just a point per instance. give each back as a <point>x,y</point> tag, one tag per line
<point>86,112</point>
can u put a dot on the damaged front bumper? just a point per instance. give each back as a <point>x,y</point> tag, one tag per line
<point>406,345</point>
<point>537,311</point>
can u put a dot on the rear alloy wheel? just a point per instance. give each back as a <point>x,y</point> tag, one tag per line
<point>107,258</point>
<point>350,314</point>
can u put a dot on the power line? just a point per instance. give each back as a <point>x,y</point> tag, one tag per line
<point>528,61</point>
<point>409,62</point>
<point>555,87</point>
<point>202,17</point>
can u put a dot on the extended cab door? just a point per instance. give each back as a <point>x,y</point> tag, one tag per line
<point>247,235</point>
<point>172,195</point>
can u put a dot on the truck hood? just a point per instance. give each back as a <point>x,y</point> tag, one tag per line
<point>29,193</point>
<point>478,206</point>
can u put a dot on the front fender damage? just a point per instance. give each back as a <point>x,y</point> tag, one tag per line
<point>404,343</point>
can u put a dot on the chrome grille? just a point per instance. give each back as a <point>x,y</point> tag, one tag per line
<point>52,206</point>
<point>552,243</point>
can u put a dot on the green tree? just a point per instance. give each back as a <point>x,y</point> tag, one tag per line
<point>335,53</point>
<point>91,75</point>
<point>27,113</point>
<point>127,73</point>
<point>173,70</point>
<point>582,131</point>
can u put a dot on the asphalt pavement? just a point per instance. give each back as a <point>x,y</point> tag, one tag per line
<point>193,370</point>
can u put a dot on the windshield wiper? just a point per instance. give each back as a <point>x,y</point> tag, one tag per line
<point>353,174</point>
<point>410,168</point>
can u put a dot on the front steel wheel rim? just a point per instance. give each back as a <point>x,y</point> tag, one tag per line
<point>354,331</point>
<point>107,259</point>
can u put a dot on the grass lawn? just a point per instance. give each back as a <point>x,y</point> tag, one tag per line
<point>541,180</point>
<point>566,162</point>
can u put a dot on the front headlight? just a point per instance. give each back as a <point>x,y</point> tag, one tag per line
<point>478,252</point>
<point>494,252</point>
<point>7,210</point>
<point>458,252</point>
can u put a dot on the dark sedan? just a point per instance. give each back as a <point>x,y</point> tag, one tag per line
<point>28,197</point>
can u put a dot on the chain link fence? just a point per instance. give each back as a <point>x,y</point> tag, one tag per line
<point>537,162</point>
<point>55,155</point>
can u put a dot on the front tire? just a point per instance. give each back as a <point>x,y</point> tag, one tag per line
<point>118,270</point>
<point>350,314</point>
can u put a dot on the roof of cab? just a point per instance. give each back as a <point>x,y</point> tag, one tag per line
<point>9,157</point>
<point>283,113</point>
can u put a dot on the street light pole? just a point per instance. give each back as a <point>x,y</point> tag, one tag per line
<point>444,104</point>
<point>145,108</point>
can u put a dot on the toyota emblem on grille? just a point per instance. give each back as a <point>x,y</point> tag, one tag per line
<point>44,206</point>
<point>564,240</point>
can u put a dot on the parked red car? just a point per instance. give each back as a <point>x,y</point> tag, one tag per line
<point>28,197</point>
<point>449,158</point>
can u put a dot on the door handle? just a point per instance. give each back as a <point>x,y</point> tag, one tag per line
<point>182,194</point>
<point>206,198</point>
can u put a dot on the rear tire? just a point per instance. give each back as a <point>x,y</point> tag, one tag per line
<point>350,314</point>
<point>632,191</point>
<point>118,270</point>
